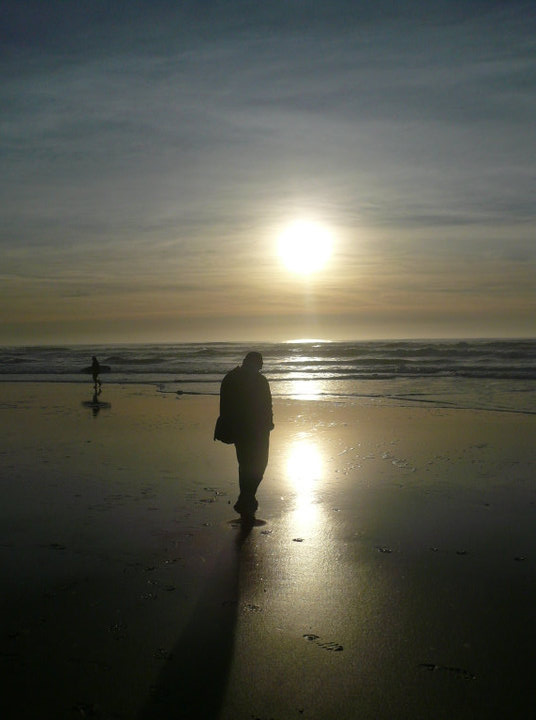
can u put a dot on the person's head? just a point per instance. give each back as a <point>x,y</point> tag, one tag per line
<point>252,361</point>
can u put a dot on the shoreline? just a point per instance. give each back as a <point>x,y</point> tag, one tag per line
<point>506,396</point>
<point>402,536</point>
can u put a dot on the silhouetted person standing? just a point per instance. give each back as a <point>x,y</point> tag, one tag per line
<point>246,420</point>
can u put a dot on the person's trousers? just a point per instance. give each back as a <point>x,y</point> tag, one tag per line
<point>252,456</point>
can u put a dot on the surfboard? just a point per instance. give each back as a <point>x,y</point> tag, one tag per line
<point>102,369</point>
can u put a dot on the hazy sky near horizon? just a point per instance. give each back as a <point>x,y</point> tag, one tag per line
<point>152,151</point>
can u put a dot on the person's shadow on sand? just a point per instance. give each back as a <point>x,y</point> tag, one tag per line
<point>194,680</point>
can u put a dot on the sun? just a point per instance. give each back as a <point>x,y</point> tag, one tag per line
<point>305,247</point>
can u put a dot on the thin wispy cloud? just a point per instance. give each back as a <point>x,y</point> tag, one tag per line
<point>166,144</point>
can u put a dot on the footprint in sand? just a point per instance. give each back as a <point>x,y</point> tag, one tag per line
<point>162,654</point>
<point>252,608</point>
<point>455,671</point>
<point>118,627</point>
<point>331,646</point>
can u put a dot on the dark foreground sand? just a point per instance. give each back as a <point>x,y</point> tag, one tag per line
<point>394,575</point>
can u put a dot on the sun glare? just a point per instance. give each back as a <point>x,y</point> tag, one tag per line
<point>304,467</point>
<point>305,247</point>
<point>304,470</point>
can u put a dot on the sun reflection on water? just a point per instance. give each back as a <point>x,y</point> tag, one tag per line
<point>300,389</point>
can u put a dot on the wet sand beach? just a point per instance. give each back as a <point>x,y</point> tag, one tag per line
<point>392,573</point>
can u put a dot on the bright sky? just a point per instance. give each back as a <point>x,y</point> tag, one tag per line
<point>153,152</point>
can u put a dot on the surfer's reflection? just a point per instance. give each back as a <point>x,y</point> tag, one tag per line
<point>95,404</point>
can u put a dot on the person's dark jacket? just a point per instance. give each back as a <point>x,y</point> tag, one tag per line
<point>245,404</point>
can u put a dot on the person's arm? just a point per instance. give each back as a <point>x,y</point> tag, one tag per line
<point>224,397</point>
<point>229,396</point>
<point>268,410</point>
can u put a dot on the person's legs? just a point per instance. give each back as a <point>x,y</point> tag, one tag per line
<point>252,456</point>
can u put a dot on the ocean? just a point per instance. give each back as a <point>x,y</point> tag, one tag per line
<point>480,374</point>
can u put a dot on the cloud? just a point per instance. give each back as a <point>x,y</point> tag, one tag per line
<point>387,111</point>
<point>159,146</point>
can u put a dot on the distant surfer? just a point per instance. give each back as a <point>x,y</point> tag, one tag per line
<point>246,420</point>
<point>95,370</point>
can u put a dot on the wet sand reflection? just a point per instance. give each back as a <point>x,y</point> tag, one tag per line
<point>304,470</point>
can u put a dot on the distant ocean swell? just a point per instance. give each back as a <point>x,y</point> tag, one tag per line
<point>486,373</point>
<point>486,359</point>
